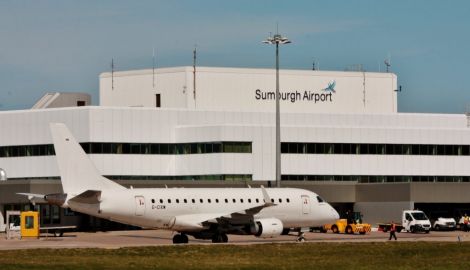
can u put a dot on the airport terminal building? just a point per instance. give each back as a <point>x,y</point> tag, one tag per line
<point>341,135</point>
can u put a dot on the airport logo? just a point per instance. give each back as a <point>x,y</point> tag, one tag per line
<point>319,96</point>
<point>331,87</point>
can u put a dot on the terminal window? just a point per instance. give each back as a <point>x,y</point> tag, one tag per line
<point>157,101</point>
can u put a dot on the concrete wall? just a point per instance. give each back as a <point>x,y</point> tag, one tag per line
<point>383,192</point>
<point>440,192</point>
<point>8,189</point>
<point>245,89</point>
<point>378,212</point>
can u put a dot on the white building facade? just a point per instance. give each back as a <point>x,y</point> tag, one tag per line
<point>341,137</point>
<point>251,90</point>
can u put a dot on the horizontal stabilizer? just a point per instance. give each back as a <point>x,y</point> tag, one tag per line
<point>34,198</point>
<point>89,197</point>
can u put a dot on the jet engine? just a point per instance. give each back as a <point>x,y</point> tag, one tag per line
<point>267,227</point>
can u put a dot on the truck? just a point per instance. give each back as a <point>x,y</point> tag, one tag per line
<point>415,221</point>
<point>352,224</point>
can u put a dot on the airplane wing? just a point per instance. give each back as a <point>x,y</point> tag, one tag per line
<point>199,221</point>
<point>195,222</point>
<point>89,197</point>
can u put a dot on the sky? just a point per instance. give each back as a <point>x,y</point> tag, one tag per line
<point>56,45</point>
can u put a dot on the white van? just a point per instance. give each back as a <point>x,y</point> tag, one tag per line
<point>415,221</point>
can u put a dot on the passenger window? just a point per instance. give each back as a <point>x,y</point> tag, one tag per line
<point>234,200</point>
<point>201,201</point>
<point>257,200</point>
<point>161,200</point>
<point>177,200</point>
<point>217,200</point>
<point>249,200</point>
<point>241,200</point>
<point>272,200</point>
<point>169,200</point>
<point>185,201</point>
<point>280,200</point>
<point>193,200</point>
<point>287,200</point>
<point>226,200</point>
<point>153,200</point>
<point>209,200</point>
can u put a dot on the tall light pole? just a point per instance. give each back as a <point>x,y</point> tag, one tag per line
<point>277,39</point>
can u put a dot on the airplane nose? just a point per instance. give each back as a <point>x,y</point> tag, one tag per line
<point>334,214</point>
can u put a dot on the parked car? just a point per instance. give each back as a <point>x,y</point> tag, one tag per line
<point>443,223</point>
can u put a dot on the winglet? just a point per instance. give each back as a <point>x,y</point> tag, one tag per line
<point>267,199</point>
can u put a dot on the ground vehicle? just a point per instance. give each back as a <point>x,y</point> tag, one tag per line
<point>350,225</point>
<point>415,221</point>
<point>442,223</point>
<point>462,225</point>
<point>385,227</point>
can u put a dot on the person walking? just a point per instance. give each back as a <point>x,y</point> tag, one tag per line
<point>393,229</point>
<point>465,223</point>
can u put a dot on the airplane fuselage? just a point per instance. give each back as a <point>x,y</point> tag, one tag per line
<point>160,208</point>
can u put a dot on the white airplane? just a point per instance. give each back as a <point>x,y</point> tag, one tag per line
<point>204,213</point>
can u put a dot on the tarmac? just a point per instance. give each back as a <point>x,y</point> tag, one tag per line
<point>140,238</point>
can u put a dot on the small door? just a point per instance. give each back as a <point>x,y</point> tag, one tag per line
<point>305,204</point>
<point>158,101</point>
<point>139,205</point>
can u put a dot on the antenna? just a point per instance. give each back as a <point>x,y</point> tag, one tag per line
<point>388,62</point>
<point>153,68</point>
<point>194,72</point>
<point>112,73</point>
<point>313,65</point>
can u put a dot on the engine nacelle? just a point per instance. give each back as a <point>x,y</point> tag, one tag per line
<point>268,227</point>
<point>58,199</point>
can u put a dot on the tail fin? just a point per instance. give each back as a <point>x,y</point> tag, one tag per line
<point>77,172</point>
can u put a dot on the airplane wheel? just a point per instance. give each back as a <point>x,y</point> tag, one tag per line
<point>224,238</point>
<point>184,239</point>
<point>180,239</point>
<point>176,239</point>
<point>216,238</point>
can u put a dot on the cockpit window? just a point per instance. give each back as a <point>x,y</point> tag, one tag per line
<point>319,199</point>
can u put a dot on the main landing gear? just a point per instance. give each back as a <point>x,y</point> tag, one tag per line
<point>180,239</point>
<point>219,238</point>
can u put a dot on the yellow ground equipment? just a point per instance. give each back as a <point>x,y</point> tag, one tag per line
<point>351,225</point>
<point>29,224</point>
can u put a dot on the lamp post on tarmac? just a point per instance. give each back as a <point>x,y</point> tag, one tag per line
<point>277,39</point>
